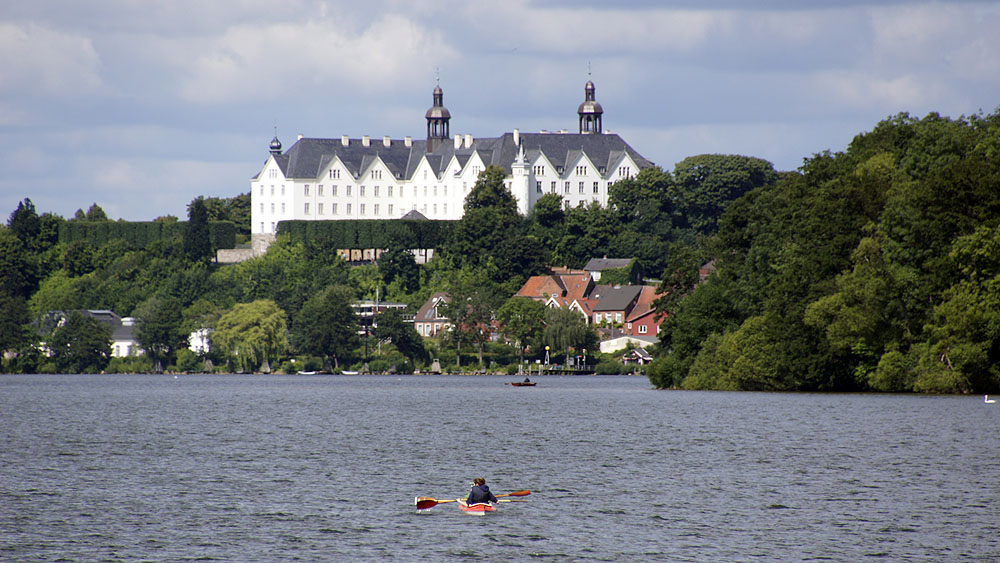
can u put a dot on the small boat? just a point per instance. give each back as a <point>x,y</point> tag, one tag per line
<point>987,399</point>
<point>522,384</point>
<point>478,509</point>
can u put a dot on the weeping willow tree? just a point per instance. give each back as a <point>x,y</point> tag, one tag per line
<point>565,329</point>
<point>251,334</point>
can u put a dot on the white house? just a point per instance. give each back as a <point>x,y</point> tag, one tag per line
<point>383,178</point>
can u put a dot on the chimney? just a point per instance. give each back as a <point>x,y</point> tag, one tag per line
<point>345,141</point>
<point>300,136</point>
<point>458,142</point>
<point>517,138</point>
<point>366,141</point>
<point>408,141</point>
<point>468,141</point>
<point>386,141</point>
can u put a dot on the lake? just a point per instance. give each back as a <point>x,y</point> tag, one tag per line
<point>326,468</point>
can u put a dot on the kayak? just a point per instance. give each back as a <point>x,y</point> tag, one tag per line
<point>523,384</point>
<point>478,509</point>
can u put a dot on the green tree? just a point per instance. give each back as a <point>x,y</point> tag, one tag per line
<point>566,329</point>
<point>398,264</point>
<point>15,331</point>
<point>326,326</point>
<point>522,320</point>
<point>197,241</point>
<point>707,183</point>
<point>95,213</point>
<point>25,224</point>
<point>251,334</point>
<point>81,345</point>
<point>159,328</point>
<point>391,327</point>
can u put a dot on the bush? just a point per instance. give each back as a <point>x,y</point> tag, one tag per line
<point>130,364</point>
<point>610,367</point>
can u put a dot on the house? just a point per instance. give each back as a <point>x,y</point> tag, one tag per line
<point>643,320</point>
<point>612,345</point>
<point>429,321</point>
<point>347,178</point>
<point>614,303</point>
<point>596,265</point>
<point>124,341</point>
<point>636,356</point>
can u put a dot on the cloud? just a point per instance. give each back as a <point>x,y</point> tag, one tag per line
<point>37,60</point>
<point>278,61</point>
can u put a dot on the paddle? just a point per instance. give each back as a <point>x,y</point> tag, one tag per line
<point>424,503</point>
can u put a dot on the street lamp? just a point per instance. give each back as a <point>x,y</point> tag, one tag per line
<point>546,356</point>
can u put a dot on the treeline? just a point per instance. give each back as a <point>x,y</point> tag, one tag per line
<point>364,234</point>
<point>222,234</point>
<point>876,268</point>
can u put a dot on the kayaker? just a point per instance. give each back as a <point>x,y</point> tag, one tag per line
<point>480,492</point>
<point>526,380</point>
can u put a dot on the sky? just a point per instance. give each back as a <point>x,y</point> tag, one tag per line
<point>141,106</point>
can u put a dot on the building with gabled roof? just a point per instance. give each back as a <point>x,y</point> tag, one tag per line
<point>383,178</point>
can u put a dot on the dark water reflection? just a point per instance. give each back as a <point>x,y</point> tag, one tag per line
<point>325,469</point>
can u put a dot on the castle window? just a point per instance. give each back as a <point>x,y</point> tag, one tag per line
<point>415,191</point>
<point>333,190</point>
<point>319,208</point>
<point>539,170</point>
<point>553,186</point>
<point>476,170</point>
<point>306,209</point>
<point>333,209</point>
<point>390,191</point>
<point>348,188</point>
<point>361,191</point>
<point>361,209</point>
<point>282,190</point>
<point>376,191</point>
<point>272,226</point>
<point>390,210</point>
<point>445,211</point>
<point>445,188</point>
<point>581,187</point>
<point>305,190</point>
<point>272,190</point>
<point>581,170</point>
<point>435,191</point>
<point>262,209</point>
<point>272,209</point>
<point>334,174</point>
<point>348,208</point>
<point>262,190</point>
<point>375,209</point>
<point>538,186</point>
<point>282,208</point>
<point>262,226</point>
<point>566,187</point>
<point>597,189</point>
<point>435,209</point>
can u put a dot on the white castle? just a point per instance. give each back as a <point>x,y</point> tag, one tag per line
<point>366,178</point>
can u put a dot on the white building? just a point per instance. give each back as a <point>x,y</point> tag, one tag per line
<point>371,178</point>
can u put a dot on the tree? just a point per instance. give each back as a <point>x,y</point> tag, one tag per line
<point>251,334</point>
<point>326,326</point>
<point>159,324</point>
<point>399,264</point>
<point>25,224</point>
<point>81,345</point>
<point>95,213</point>
<point>565,329</point>
<point>403,336</point>
<point>472,300</point>
<point>17,266</point>
<point>522,320</point>
<point>197,239</point>
<point>14,325</point>
<point>707,183</point>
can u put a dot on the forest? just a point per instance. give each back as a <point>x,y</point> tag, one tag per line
<point>871,269</point>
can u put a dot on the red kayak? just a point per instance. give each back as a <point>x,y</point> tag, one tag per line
<point>479,509</point>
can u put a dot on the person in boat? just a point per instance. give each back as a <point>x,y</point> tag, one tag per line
<point>526,380</point>
<point>480,492</point>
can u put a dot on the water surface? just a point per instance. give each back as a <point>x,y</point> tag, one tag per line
<point>325,468</point>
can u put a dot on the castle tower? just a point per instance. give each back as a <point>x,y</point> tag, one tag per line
<point>590,111</point>
<point>438,119</point>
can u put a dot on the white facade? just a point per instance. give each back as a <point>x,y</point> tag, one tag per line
<point>383,178</point>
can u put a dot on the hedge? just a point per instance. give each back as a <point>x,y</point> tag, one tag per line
<point>371,233</point>
<point>141,233</point>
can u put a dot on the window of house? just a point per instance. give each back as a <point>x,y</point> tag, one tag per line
<point>261,207</point>
<point>642,329</point>
<point>272,226</point>
<point>262,226</point>
<point>618,317</point>
<point>435,209</point>
<point>272,190</point>
<point>580,189</point>
<point>319,190</point>
<point>305,209</point>
<point>334,174</point>
<point>262,190</point>
<point>375,210</point>
<point>435,191</point>
<point>597,189</point>
<point>425,174</point>
<point>333,190</point>
<point>361,191</point>
<point>361,209</point>
<point>553,186</point>
<point>539,170</point>
<point>390,210</point>
<point>415,191</point>
<point>445,188</point>
<point>282,190</point>
<point>348,189</point>
<point>445,210</point>
<point>272,209</point>
<point>538,186</point>
<point>305,190</point>
<point>581,170</point>
<point>476,170</point>
<point>566,187</point>
<point>390,191</point>
<point>348,209</point>
<point>333,209</point>
<point>425,191</point>
<point>282,208</point>
<point>319,208</point>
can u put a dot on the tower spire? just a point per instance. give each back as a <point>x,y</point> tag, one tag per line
<point>590,112</point>
<point>438,120</point>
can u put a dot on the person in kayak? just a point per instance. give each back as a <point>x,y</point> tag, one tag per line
<point>480,492</point>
